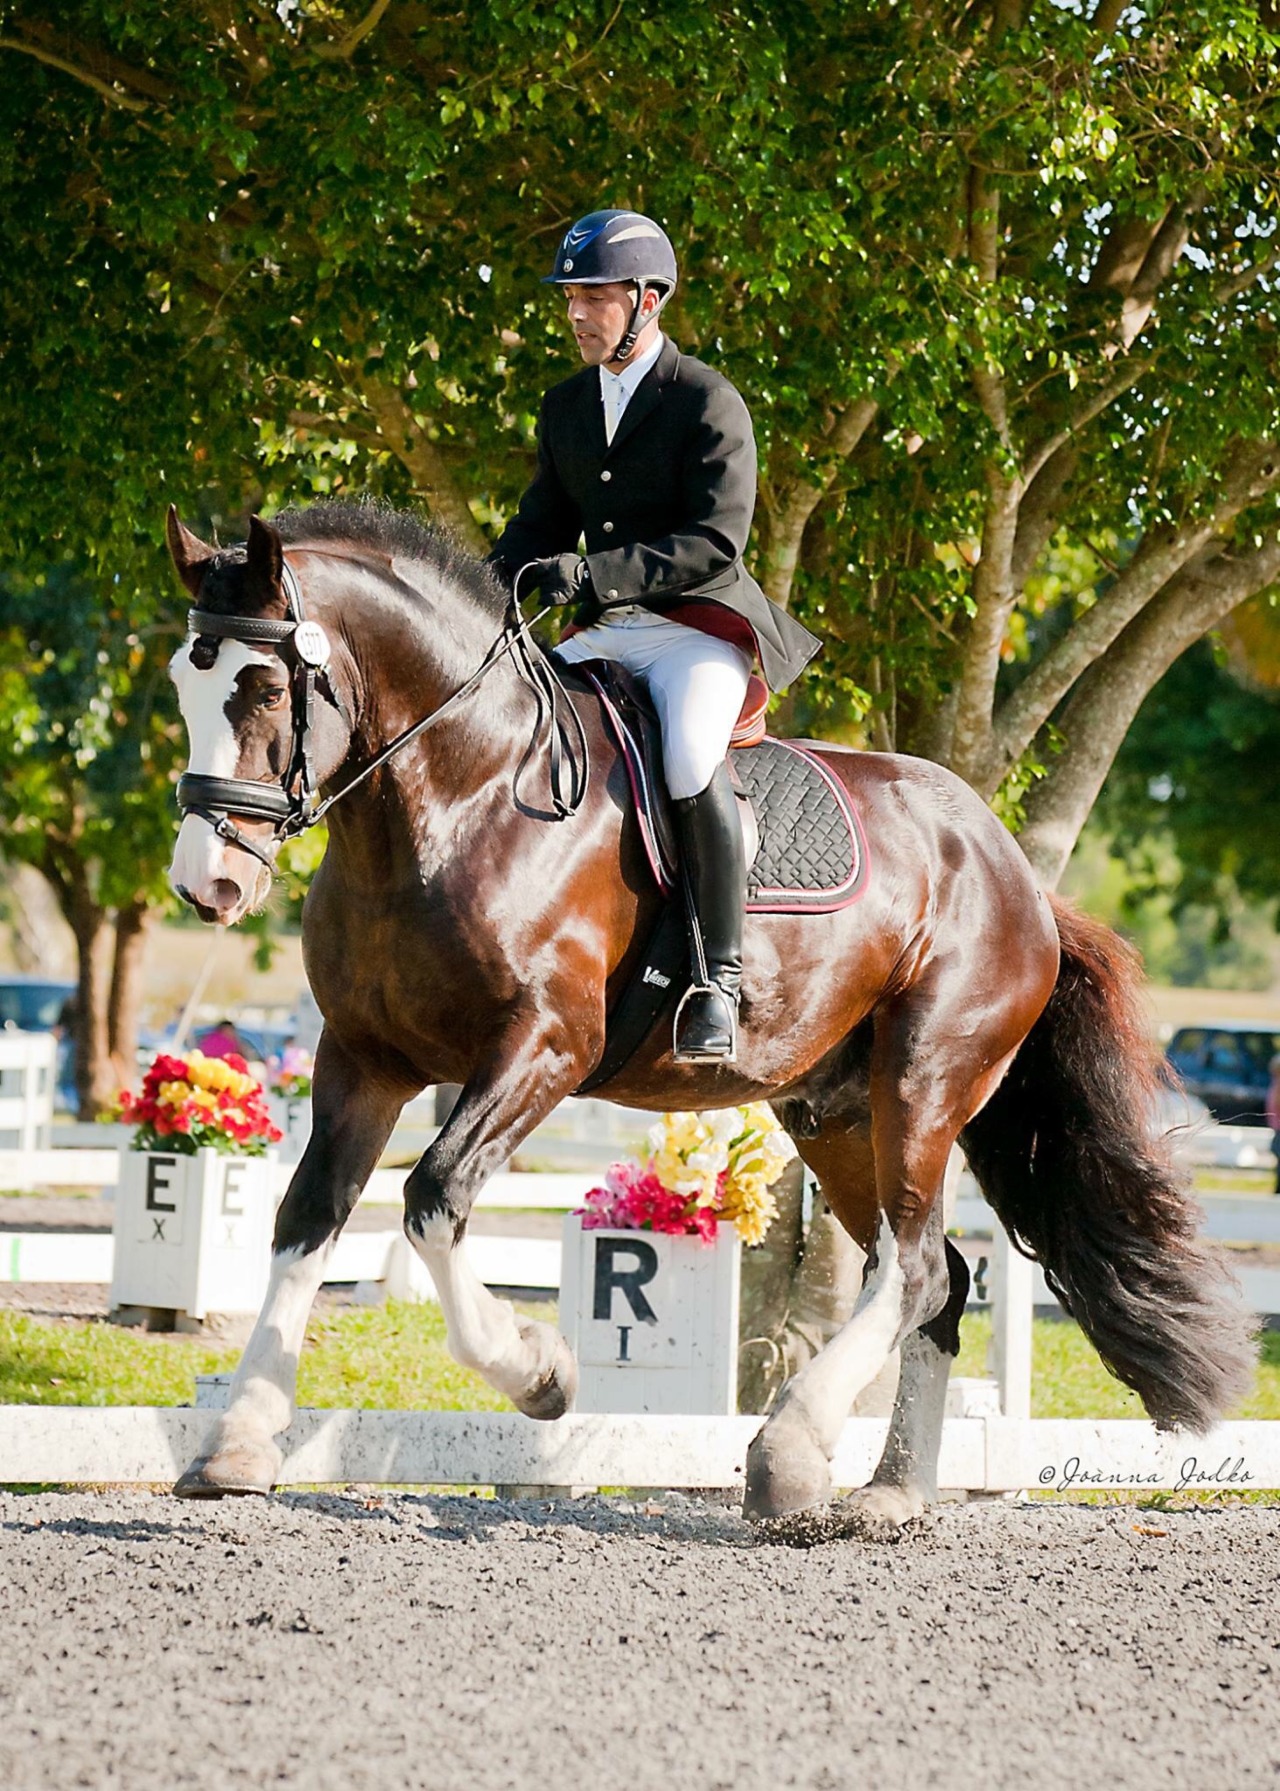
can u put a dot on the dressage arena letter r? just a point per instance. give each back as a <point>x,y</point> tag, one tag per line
<point>627,1281</point>
<point>157,1184</point>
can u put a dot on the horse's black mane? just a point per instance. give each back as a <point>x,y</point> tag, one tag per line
<point>368,523</point>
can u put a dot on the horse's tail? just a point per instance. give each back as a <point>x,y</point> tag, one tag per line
<point>1068,1153</point>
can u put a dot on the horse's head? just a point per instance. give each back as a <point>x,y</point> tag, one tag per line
<point>237,699</point>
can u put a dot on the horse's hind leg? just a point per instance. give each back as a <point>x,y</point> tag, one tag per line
<point>354,1112</point>
<point>921,1096</point>
<point>905,1483</point>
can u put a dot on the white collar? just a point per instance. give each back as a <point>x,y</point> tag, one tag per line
<point>634,371</point>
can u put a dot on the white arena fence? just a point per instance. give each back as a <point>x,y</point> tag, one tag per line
<point>137,1445</point>
<point>28,1065</point>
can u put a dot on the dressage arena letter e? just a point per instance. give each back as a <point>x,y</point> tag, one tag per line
<point>158,1184</point>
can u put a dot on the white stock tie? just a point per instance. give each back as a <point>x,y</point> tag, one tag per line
<point>611,390</point>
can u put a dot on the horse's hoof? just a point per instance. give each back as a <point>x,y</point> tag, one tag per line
<point>787,1471</point>
<point>879,1513</point>
<point>554,1391</point>
<point>240,1470</point>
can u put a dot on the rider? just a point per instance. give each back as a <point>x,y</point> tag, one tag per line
<point>651,461</point>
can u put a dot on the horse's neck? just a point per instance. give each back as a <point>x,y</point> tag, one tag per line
<point>411,663</point>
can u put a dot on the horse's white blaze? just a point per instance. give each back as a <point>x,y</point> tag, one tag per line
<point>482,1329</point>
<point>826,1387</point>
<point>200,857</point>
<point>264,1385</point>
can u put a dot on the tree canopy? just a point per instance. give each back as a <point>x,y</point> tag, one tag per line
<point>995,278</point>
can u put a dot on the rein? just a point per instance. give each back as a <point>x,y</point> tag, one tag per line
<point>292,806</point>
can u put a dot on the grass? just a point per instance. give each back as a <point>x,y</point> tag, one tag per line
<point>1069,1381</point>
<point>391,1357</point>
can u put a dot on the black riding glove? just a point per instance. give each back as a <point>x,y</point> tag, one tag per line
<point>564,578</point>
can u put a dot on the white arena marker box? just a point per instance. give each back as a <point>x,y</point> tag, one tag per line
<point>652,1318</point>
<point>193,1233</point>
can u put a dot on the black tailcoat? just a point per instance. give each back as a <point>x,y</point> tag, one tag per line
<point>665,508</point>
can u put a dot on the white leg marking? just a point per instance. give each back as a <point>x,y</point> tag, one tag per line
<point>826,1387</point>
<point>482,1329</point>
<point>265,1383</point>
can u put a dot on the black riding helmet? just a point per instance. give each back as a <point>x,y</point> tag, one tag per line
<point>623,247</point>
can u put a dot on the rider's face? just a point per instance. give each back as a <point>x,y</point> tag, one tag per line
<point>599,316</point>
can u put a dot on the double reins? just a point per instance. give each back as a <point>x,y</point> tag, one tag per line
<point>294,805</point>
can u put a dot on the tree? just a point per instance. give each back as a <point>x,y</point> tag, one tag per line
<point>995,278</point>
<point>1198,770</point>
<point>90,742</point>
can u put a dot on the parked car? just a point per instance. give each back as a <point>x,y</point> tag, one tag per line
<point>1228,1067</point>
<point>41,1004</point>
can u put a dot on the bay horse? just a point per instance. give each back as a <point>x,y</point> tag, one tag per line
<point>466,927</point>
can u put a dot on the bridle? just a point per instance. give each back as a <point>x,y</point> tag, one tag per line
<point>293,805</point>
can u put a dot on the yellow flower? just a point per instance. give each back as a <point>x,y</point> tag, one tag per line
<point>690,1151</point>
<point>173,1094</point>
<point>205,1099</point>
<point>219,1077</point>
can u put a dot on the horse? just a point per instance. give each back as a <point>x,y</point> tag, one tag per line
<point>467,925</point>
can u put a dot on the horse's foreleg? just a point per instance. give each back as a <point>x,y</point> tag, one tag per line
<point>526,1360</point>
<point>353,1116</point>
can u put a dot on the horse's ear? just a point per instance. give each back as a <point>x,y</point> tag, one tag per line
<point>188,551</point>
<point>264,573</point>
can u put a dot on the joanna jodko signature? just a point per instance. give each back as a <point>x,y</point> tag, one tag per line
<point>1075,1476</point>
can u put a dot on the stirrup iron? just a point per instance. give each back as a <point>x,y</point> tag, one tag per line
<point>729,1002</point>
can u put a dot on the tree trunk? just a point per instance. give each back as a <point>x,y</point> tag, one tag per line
<point>1101,710</point>
<point>133,923</point>
<point>94,1085</point>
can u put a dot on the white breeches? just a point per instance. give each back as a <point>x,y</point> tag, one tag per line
<point>696,682</point>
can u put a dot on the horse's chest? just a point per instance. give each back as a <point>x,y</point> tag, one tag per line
<point>400,965</point>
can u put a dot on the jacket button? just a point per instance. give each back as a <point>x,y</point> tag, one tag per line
<point>610,595</point>
<point>608,528</point>
<point>605,477</point>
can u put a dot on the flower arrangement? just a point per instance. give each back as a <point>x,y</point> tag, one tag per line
<point>196,1103</point>
<point>702,1168</point>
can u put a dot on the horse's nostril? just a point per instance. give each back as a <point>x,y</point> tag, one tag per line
<point>225,894</point>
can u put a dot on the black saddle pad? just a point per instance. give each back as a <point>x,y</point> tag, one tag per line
<point>812,856</point>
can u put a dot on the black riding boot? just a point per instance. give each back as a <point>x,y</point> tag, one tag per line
<point>706,1029</point>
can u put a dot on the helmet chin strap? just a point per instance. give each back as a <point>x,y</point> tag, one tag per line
<point>626,346</point>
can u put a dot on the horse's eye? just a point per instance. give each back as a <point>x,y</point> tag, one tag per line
<point>272,699</point>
